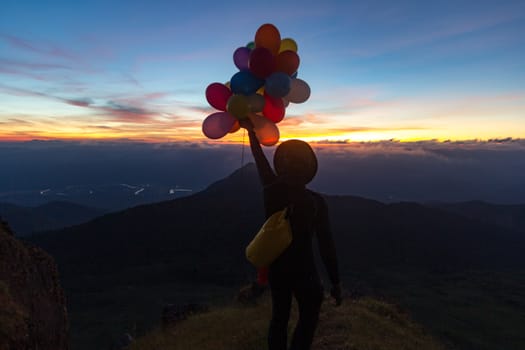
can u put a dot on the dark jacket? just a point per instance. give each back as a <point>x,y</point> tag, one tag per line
<point>308,216</point>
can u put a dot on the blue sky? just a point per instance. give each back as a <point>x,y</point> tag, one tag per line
<point>409,70</point>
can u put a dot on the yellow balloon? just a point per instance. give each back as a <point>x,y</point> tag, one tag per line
<point>238,106</point>
<point>288,44</point>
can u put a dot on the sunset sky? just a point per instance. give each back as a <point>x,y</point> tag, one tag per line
<point>378,70</point>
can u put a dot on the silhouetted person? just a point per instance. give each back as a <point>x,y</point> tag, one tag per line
<point>294,272</point>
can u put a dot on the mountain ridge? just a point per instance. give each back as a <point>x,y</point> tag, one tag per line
<point>27,220</point>
<point>224,216</point>
<point>201,239</point>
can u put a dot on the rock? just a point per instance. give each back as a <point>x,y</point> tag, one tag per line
<point>250,293</point>
<point>33,313</point>
<point>173,314</point>
<point>123,342</point>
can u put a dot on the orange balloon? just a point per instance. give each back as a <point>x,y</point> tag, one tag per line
<point>267,132</point>
<point>268,36</point>
<point>287,62</point>
<point>235,127</point>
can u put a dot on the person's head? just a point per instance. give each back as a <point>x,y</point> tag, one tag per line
<point>295,161</point>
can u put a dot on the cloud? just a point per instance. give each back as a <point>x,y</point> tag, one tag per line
<point>31,65</point>
<point>105,127</point>
<point>425,170</point>
<point>85,102</point>
<point>291,121</point>
<point>121,108</point>
<point>115,110</point>
<point>387,170</point>
<point>40,47</point>
<point>21,92</point>
<point>19,121</point>
<point>425,146</point>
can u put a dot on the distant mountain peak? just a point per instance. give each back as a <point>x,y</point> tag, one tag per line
<point>242,180</point>
<point>246,170</point>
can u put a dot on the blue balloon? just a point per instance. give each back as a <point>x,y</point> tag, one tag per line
<point>278,84</point>
<point>245,83</point>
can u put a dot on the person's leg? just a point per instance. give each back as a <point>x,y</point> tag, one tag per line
<point>281,304</point>
<point>309,295</point>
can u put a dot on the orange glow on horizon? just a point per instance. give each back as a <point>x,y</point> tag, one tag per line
<point>362,136</point>
<point>307,129</point>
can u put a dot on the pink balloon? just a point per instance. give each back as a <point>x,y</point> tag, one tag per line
<point>267,132</point>
<point>218,124</point>
<point>273,108</point>
<point>217,95</point>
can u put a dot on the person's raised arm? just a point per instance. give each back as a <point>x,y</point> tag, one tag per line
<point>264,169</point>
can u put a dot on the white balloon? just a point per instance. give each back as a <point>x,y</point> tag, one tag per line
<point>299,91</point>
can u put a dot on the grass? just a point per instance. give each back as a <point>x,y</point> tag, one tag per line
<point>475,310</point>
<point>100,315</point>
<point>364,324</point>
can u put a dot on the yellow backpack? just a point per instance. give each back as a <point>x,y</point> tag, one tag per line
<point>271,241</point>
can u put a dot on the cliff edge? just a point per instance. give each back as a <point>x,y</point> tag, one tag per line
<point>33,309</point>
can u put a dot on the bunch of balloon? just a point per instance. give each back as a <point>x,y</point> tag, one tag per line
<point>261,90</point>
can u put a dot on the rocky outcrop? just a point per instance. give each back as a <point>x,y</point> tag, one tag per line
<point>32,303</point>
<point>249,294</point>
<point>173,314</point>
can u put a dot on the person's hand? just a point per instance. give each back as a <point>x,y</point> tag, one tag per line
<point>247,124</point>
<point>336,293</point>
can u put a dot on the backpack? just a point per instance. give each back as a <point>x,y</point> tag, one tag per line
<point>273,237</point>
<point>271,241</point>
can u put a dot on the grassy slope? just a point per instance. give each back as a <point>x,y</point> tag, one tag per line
<point>475,310</point>
<point>363,324</point>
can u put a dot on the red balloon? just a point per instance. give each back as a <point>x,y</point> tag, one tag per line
<point>287,62</point>
<point>262,62</point>
<point>217,95</point>
<point>268,36</point>
<point>273,108</point>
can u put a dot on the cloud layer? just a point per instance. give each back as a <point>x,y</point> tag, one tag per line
<point>387,171</point>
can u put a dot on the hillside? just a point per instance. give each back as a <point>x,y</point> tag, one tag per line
<point>32,305</point>
<point>120,268</point>
<point>203,236</point>
<point>358,325</point>
<point>509,216</point>
<point>50,216</point>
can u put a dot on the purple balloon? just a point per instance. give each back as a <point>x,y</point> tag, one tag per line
<point>241,57</point>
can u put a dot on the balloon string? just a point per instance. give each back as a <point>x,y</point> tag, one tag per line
<point>242,154</point>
